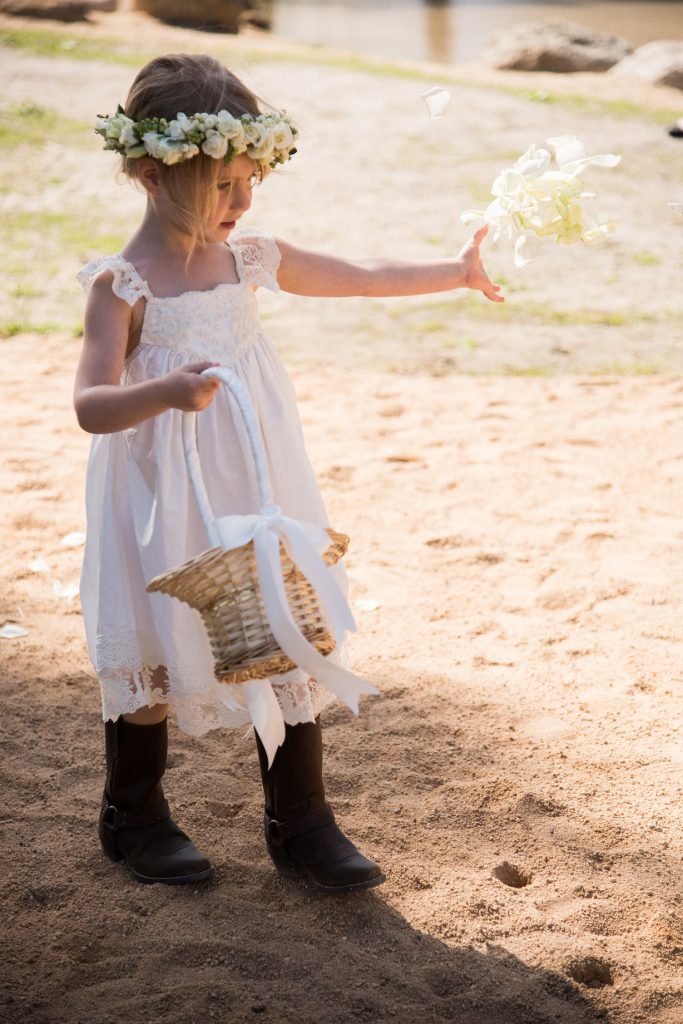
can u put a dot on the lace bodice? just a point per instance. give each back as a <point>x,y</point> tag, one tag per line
<point>219,324</point>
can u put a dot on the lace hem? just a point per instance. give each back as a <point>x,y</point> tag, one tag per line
<point>129,682</point>
<point>127,283</point>
<point>258,258</point>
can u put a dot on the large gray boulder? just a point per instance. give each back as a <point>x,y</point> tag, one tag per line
<point>554,46</point>
<point>660,62</point>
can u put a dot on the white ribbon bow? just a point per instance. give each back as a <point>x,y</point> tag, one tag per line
<point>304,543</point>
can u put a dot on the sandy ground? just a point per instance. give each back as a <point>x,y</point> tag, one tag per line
<point>519,778</point>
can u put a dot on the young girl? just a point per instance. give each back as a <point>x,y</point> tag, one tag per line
<point>178,299</point>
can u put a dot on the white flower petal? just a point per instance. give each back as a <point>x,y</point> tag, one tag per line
<point>436,100</point>
<point>678,207</point>
<point>73,540</point>
<point>39,565</point>
<point>578,166</point>
<point>535,165</point>
<point>520,259</point>
<point>66,590</point>
<point>11,632</point>
<point>567,148</point>
<point>367,604</point>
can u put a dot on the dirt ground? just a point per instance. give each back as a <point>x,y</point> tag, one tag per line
<point>512,482</point>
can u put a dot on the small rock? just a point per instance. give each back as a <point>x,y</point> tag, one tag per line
<point>215,15</point>
<point>659,62</point>
<point>554,46</point>
<point>57,10</point>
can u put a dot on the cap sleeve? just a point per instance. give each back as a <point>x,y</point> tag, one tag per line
<point>258,258</point>
<point>127,283</point>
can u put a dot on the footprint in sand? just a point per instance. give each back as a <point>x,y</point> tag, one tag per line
<point>400,459</point>
<point>512,875</point>
<point>339,474</point>
<point>532,805</point>
<point>221,809</point>
<point>592,971</point>
<point>393,410</point>
<point>453,540</point>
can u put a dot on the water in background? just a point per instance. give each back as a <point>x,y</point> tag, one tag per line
<point>455,31</point>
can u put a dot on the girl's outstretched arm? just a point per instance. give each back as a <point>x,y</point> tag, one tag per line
<point>102,405</point>
<point>309,273</point>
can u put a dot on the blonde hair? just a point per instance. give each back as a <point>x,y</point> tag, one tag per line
<point>189,84</point>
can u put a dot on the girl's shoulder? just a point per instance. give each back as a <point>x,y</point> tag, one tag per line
<point>127,283</point>
<point>257,256</point>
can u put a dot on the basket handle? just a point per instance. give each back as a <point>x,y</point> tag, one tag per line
<point>239,393</point>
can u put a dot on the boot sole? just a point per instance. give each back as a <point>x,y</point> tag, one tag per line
<point>199,876</point>
<point>306,876</point>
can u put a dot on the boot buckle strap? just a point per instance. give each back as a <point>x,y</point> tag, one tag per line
<point>281,831</point>
<point>113,818</point>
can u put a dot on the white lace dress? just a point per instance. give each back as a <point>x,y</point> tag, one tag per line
<point>142,516</point>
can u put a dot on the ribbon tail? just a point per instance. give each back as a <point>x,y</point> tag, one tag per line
<point>266,714</point>
<point>347,686</point>
<point>307,559</point>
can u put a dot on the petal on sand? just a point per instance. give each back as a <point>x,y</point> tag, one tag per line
<point>367,604</point>
<point>11,632</point>
<point>66,590</point>
<point>39,565</point>
<point>73,540</point>
<point>436,100</point>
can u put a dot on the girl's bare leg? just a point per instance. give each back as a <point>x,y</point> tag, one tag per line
<point>156,714</point>
<point>148,716</point>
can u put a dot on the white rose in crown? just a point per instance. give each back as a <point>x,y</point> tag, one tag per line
<point>215,144</point>
<point>229,126</point>
<point>259,138</point>
<point>113,126</point>
<point>535,201</point>
<point>169,150</point>
<point>282,137</point>
<point>128,137</point>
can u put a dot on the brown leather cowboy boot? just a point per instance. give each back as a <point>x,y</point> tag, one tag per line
<point>135,822</point>
<point>302,836</point>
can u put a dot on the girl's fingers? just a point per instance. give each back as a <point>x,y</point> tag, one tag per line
<point>480,235</point>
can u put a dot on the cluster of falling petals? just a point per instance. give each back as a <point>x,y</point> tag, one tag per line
<point>537,199</point>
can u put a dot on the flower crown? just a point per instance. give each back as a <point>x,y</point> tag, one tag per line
<point>266,138</point>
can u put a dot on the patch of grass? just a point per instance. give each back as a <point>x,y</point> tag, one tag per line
<point>76,47</point>
<point>11,328</point>
<point>31,125</point>
<point>26,291</point>
<point>628,369</point>
<point>537,312</point>
<point>525,371</point>
<point>589,104</point>
<point>646,259</point>
<point>65,233</point>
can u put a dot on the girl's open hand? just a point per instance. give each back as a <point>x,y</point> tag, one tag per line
<point>186,389</point>
<point>473,269</point>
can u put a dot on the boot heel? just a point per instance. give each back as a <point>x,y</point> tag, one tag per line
<point>284,865</point>
<point>107,834</point>
<point>110,850</point>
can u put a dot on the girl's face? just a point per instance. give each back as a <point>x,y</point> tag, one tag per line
<point>234,195</point>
